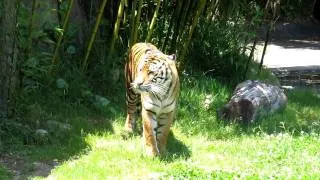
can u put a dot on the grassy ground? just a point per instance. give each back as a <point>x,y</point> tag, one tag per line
<point>261,156</point>
<point>283,146</point>
<point>4,174</point>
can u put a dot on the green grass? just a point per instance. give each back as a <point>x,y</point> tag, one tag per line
<point>4,174</point>
<point>284,145</point>
<point>259,156</point>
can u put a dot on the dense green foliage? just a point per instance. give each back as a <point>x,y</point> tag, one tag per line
<point>296,10</point>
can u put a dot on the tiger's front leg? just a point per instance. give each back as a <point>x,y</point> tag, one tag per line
<point>156,131</point>
<point>149,133</point>
<point>163,130</point>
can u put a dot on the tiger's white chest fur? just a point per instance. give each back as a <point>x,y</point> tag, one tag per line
<point>158,107</point>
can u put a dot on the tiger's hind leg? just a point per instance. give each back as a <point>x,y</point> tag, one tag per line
<point>132,107</point>
<point>132,100</point>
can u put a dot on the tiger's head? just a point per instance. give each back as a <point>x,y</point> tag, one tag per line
<point>155,73</point>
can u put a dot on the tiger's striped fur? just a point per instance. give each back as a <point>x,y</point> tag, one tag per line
<point>152,79</point>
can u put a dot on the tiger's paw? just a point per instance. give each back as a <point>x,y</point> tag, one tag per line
<point>126,134</point>
<point>150,151</point>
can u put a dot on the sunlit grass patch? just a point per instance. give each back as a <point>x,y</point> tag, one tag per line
<point>112,157</point>
<point>264,156</point>
<point>261,156</point>
<point>302,114</point>
<point>194,115</point>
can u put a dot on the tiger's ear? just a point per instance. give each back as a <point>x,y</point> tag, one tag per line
<point>172,57</point>
<point>148,51</point>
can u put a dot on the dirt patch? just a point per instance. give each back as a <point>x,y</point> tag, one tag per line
<point>20,168</point>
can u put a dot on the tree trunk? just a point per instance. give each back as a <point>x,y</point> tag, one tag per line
<point>8,57</point>
<point>252,100</point>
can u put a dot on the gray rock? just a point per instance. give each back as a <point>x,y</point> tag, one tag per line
<point>252,100</point>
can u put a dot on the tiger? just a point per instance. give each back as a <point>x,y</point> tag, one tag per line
<point>152,81</point>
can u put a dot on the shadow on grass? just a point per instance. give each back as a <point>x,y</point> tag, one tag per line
<point>304,97</point>
<point>66,126</point>
<point>176,149</point>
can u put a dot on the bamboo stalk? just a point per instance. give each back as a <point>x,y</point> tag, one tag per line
<point>200,7</point>
<point>163,21</point>
<point>213,8</point>
<point>181,25</point>
<point>168,33</point>
<point>124,12</point>
<point>137,22</point>
<point>116,30</point>
<point>65,23</point>
<point>209,7</point>
<point>175,14</point>
<point>154,18</point>
<point>176,28</point>
<point>250,58</point>
<point>274,7</point>
<point>132,23</point>
<point>93,36</point>
<point>29,50</point>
